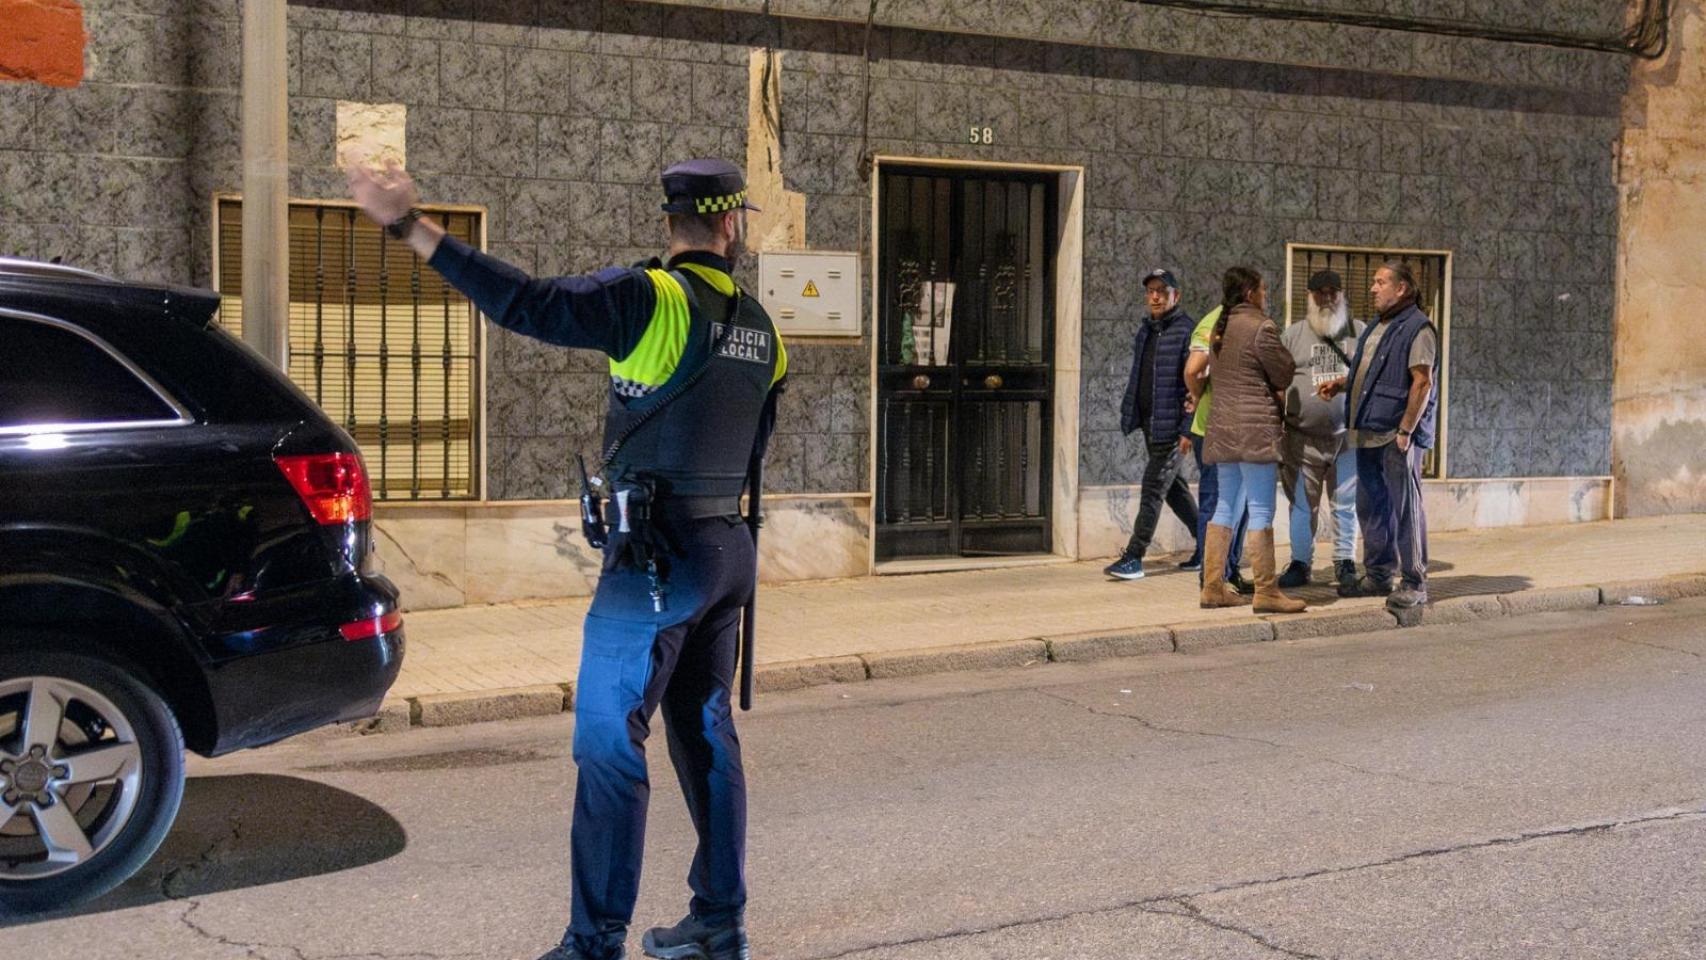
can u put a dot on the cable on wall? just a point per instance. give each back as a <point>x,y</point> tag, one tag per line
<point>1647,38</point>
<point>865,162</point>
<point>772,108</point>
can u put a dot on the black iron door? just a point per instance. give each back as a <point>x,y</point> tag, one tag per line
<point>965,379</point>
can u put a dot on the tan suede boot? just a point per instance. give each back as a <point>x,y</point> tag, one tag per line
<point>1269,599</point>
<point>1215,592</point>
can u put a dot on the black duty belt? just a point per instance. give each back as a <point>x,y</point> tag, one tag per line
<point>697,507</point>
<point>691,508</point>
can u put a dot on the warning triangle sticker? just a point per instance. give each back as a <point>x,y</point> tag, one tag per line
<point>811,289</point>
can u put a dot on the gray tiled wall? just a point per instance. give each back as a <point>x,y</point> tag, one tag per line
<point>556,116</point>
<point>99,175</point>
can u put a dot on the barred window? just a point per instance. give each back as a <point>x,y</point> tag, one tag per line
<point>379,340</point>
<point>1356,266</point>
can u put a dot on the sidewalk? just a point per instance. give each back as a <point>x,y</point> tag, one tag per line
<point>484,650</point>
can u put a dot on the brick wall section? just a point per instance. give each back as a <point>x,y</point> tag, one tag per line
<point>43,42</point>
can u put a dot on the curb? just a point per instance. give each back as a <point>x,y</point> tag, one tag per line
<point>456,709</point>
<point>1107,644</point>
<point>799,674</point>
<point>1660,588</point>
<point>1192,637</point>
<point>967,656</point>
<point>1549,601</point>
<point>1334,623</point>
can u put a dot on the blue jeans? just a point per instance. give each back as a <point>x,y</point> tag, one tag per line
<point>1344,494</point>
<point>1246,486</point>
<point>1208,495</point>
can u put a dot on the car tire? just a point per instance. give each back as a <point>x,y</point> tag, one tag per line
<point>151,784</point>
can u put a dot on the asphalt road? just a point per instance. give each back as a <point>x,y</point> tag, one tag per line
<point>1532,787</point>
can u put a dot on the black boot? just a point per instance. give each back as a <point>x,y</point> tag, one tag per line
<point>1346,572</point>
<point>694,939</point>
<point>1368,586</point>
<point>1295,575</point>
<point>1237,582</point>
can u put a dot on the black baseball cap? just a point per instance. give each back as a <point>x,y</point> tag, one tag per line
<point>1325,280</point>
<point>1165,276</point>
<point>705,185</point>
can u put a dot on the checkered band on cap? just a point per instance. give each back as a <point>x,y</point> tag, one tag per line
<point>721,204</point>
<point>705,186</point>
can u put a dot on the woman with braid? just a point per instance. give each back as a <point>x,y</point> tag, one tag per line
<point>1246,427</point>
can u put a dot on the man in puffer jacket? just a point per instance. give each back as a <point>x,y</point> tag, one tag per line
<point>1155,403</point>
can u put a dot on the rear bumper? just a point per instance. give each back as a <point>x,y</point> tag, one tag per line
<point>309,675</point>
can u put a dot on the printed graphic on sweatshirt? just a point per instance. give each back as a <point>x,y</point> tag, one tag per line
<point>745,343</point>
<point>1325,365</point>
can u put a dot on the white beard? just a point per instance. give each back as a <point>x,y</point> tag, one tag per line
<point>1332,321</point>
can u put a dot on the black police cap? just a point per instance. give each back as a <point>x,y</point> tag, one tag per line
<point>705,186</point>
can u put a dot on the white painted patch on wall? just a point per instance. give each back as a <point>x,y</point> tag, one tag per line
<point>372,133</point>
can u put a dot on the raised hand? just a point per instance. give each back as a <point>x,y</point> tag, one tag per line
<point>384,195</point>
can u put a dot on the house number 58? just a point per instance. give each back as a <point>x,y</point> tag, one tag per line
<point>982,135</point>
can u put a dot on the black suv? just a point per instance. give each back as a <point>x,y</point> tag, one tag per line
<point>184,562</point>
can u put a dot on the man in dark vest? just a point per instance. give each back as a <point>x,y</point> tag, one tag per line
<point>1391,407</point>
<point>695,367</point>
<point>1155,403</point>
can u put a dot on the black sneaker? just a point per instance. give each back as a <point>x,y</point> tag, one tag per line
<point>1407,596</point>
<point>1194,562</point>
<point>694,939</point>
<point>1367,586</point>
<point>1241,585</point>
<point>1125,568</point>
<point>1296,575</point>
<point>1345,571</point>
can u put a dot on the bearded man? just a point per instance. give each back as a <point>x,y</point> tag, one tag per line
<point>1315,441</point>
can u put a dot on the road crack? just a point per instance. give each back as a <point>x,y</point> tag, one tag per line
<point>1183,731</point>
<point>1160,728</point>
<point>1184,905</point>
<point>1192,912</point>
<point>1659,646</point>
<point>168,890</point>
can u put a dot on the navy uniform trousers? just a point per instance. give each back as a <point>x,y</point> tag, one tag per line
<point>632,662</point>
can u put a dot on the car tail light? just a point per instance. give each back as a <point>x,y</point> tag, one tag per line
<point>372,626</point>
<point>332,485</point>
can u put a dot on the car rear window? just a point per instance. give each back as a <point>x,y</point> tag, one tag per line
<point>52,375</point>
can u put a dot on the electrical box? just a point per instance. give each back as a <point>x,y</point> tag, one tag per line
<point>811,293</point>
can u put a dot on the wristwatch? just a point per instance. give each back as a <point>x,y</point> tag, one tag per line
<point>399,228</point>
<point>1402,432</point>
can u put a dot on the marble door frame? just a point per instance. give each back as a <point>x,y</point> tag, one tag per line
<point>1068,351</point>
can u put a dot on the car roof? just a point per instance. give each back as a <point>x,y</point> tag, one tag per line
<point>34,284</point>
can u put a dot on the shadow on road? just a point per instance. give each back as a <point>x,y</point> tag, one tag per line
<point>250,830</point>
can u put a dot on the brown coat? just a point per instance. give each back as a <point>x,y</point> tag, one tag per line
<point>1245,418</point>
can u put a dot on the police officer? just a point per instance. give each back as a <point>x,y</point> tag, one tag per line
<point>695,366</point>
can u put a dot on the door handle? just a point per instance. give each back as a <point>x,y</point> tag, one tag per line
<point>992,382</point>
<point>921,382</point>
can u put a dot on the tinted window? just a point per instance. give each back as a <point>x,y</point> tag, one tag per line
<point>51,375</point>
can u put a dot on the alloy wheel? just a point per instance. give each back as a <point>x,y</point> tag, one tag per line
<point>70,775</point>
